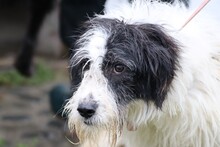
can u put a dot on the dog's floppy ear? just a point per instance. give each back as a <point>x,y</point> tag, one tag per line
<point>159,53</point>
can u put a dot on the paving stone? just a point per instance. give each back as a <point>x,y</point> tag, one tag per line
<point>29,98</point>
<point>56,124</point>
<point>20,105</point>
<point>29,135</point>
<point>44,113</point>
<point>49,135</point>
<point>15,118</point>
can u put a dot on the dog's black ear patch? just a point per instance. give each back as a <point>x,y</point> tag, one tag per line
<point>150,54</point>
<point>158,54</point>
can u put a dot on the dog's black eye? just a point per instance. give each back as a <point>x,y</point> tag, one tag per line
<point>119,68</point>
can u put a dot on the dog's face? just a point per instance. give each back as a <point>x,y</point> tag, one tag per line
<point>115,64</point>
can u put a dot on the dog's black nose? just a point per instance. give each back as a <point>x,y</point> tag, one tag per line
<point>87,110</point>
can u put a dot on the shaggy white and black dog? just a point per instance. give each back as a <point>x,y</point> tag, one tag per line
<point>139,81</point>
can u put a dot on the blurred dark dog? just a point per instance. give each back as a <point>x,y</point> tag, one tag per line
<point>72,13</point>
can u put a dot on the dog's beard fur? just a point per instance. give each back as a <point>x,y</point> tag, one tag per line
<point>106,125</point>
<point>98,130</point>
<point>93,134</point>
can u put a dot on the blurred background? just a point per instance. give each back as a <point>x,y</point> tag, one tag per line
<point>35,38</point>
<point>26,118</point>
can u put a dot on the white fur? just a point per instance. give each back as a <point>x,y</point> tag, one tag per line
<point>190,116</point>
<point>94,83</point>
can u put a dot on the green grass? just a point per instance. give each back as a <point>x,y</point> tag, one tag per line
<point>33,143</point>
<point>13,78</point>
<point>2,142</point>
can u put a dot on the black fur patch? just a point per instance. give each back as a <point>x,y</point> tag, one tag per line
<point>145,56</point>
<point>149,58</point>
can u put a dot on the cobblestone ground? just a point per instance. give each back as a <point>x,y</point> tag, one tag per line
<point>26,119</point>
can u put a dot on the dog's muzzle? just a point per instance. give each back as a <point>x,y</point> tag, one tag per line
<point>87,109</point>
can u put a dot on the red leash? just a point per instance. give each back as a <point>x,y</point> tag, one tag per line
<point>204,3</point>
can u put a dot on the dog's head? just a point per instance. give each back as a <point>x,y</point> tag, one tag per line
<point>115,64</point>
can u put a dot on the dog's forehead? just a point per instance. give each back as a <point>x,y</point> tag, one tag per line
<point>96,45</point>
<point>104,34</point>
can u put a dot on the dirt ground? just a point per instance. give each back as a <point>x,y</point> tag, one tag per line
<point>26,119</point>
